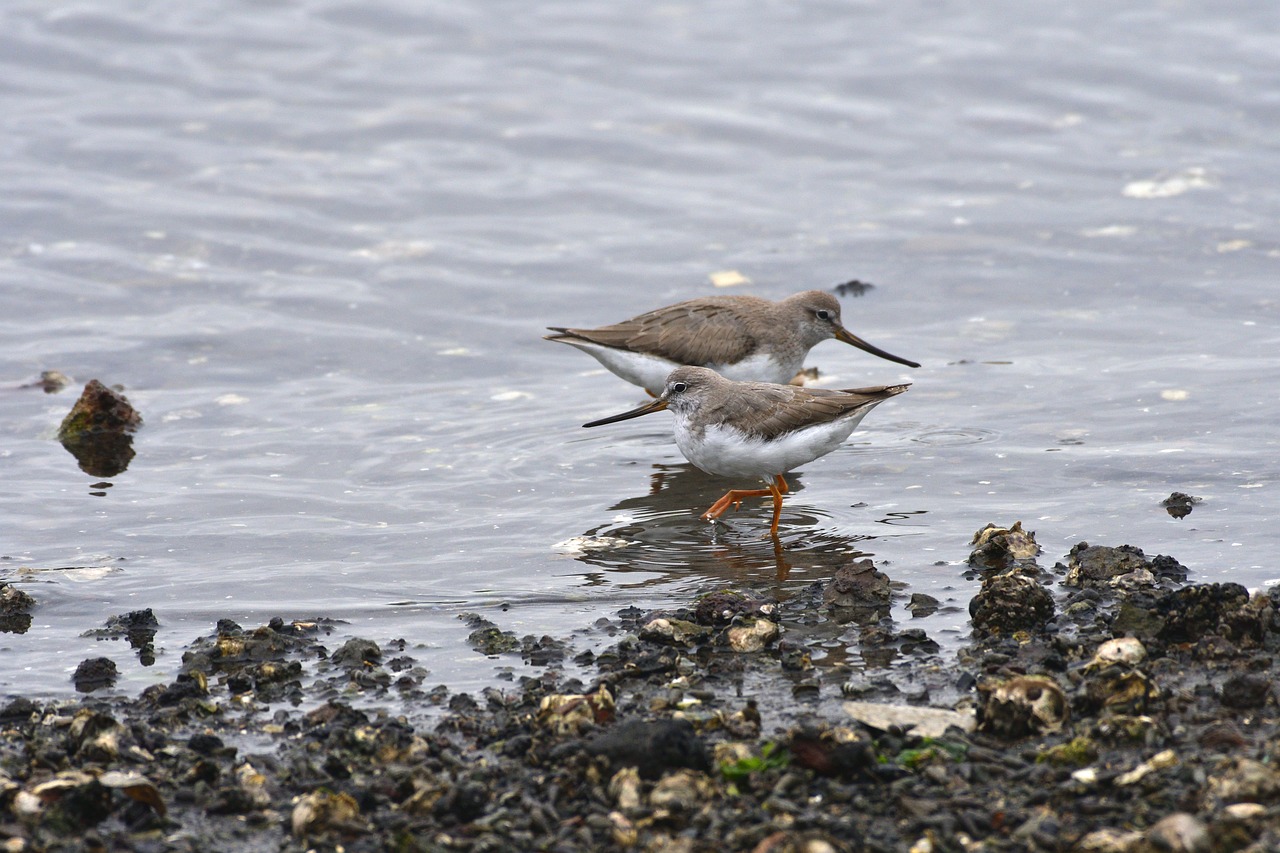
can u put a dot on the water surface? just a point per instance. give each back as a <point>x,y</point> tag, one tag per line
<point>317,243</point>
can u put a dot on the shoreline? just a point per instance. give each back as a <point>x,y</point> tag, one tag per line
<point>1103,704</point>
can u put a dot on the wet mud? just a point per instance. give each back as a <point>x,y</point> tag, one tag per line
<point>1101,704</point>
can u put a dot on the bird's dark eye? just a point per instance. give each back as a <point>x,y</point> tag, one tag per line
<point>822,314</point>
<point>677,387</point>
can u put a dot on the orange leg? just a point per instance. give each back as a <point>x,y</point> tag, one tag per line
<point>777,503</point>
<point>734,498</point>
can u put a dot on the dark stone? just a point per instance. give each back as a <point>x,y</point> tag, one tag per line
<point>1096,565</point>
<point>722,606</point>
<point>205,744</point>
<point>651,747</point>
<point>826,757</point>
<point>1193,612</point>
<point>98,431</point>
<point>1246,691</point>
<point>1179,504</point>
<point>356,653</point>
<point>1011,602</point>
<point>94,673</point>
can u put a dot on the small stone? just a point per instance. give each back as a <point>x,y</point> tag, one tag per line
<point>1028,704</point>
<point>1125,651</point>
<point>753,637</point>
<point>676,632</point>
<point>1179,833</point>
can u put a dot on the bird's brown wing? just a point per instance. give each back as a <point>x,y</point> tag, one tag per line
<point>698,332</point>
<point>779,409</point>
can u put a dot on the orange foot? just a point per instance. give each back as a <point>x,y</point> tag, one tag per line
<point>734,498</point>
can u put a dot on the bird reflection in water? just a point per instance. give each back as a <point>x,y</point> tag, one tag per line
<point>658,532</point>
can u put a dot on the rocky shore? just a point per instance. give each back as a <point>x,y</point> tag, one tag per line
<point>1103,704</point>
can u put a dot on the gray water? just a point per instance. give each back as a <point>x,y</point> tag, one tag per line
<point>317,244</point>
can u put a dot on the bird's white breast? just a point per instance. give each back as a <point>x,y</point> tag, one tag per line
<point>720,449</point>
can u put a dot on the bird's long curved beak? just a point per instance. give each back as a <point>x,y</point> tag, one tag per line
<point>656,406</point>
<point>848,337</point>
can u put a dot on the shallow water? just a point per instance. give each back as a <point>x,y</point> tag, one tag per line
<point>317,243</point>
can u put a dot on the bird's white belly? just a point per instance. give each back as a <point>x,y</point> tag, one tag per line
<point>647,371</point>
<point>727,452</point>
<point>760,367</point>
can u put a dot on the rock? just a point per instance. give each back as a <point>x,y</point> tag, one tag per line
<point>1246,691</point>
<point>1120,691</point>
<point>1122,651</point>
<point>1109,841</point>
<point>1179,504</point>
<point>94,674</point>
<point>572,713</point>
<point>1029,704</point>
<point>15,605</point>
<point>1160,761</point>
<point>858,585</point>
<point>1193,612</point>
<point>624,787</point>
<point>681,791</point>
<point>1011,602</point>
<point>95,736</point>
<point>676,632</point>
<point>322,812</point>
<point>652,748</point>
<point>136,787</point>
<point>723,606</point>
<point>486,637</point>
<point>1097,565</point>
<point>356,653</point>
<point>1244,780</point>
<point>925,722</point>
<point>1002,547</point>
<point>1179,833</point>
<point>921,604</point>
<point>752,637</point>
<point>98,431</point>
